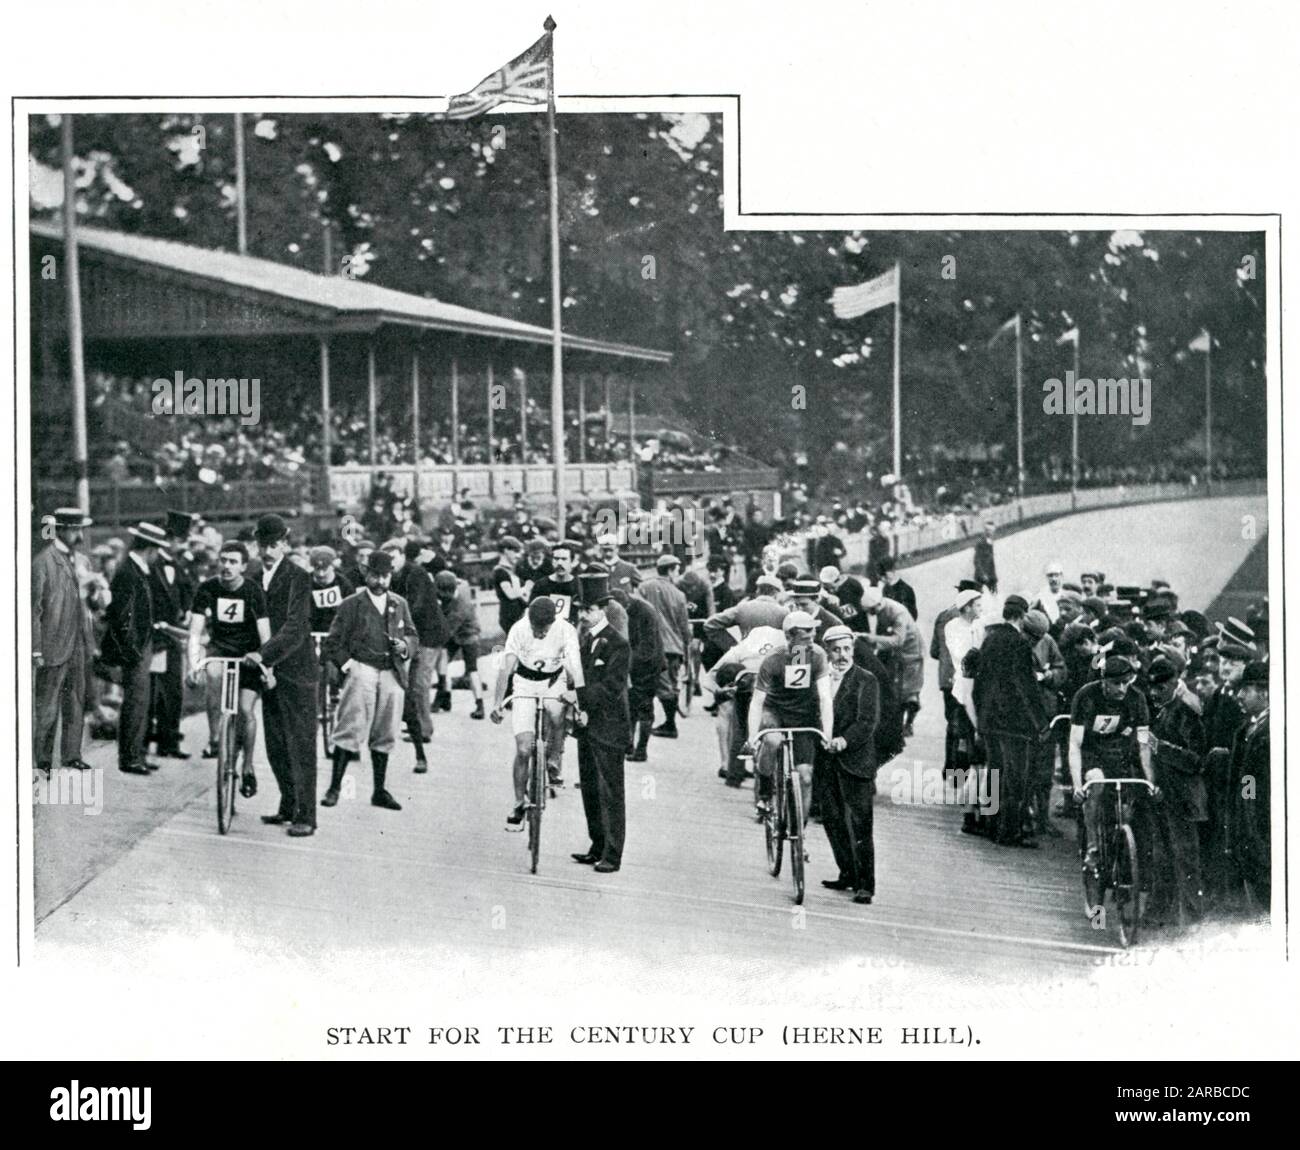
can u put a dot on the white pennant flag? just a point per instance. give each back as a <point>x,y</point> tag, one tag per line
<point>1200,343</point>
<point>1071,336</point>
<point>851,302</point>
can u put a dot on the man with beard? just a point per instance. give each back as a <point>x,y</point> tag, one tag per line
<point>1178,747</point>
<point>845,771</point>
<point>61,644</point>
<point>370,645</point>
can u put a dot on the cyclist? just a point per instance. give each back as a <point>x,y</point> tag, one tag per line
<point>543,655</point>
<point>793,690</point>
<point>234,609</point>
<point>328,588</point>
<point>1109,721</point>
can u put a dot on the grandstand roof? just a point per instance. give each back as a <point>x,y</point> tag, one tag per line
<point>230,294</point>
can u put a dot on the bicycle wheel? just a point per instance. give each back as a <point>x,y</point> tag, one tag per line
<point>1127,886</point>
<point>794,816</point>
<point>227,754</point>
<point>536,797</point>
<point>774,829</point>
<point>1093,888</point>
<point>326,716</point>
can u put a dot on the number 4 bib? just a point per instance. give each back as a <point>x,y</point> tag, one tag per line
<point>230,610</point>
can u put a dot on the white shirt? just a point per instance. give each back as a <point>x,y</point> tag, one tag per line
<point>598,627</point>
<point>139,561</point>
<point>753,649</point>
<point>268,573</point>
<point>1047,601</point>
<point>557,649</point>
<point>379,602</point>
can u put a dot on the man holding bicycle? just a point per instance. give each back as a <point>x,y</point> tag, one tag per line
<point>1110,725</point>
<point>543,655</point>
<point>793,690</point>
<point>234,610</point>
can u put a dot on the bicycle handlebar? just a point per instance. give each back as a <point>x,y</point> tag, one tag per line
<point>789,730</point>
<point>1119,782</point>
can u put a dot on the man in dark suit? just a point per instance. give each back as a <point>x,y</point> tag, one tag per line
<point>1250,812</point>
<point>173,594</point>
<point>602,740</point>
<point>1012,716</point>
<point>844,777</point>
<point>129,644</point>
<point>289,708</point>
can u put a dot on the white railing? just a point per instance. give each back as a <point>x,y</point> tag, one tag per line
<point>350,484</point>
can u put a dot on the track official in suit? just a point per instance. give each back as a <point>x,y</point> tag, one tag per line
<point>289,709</point>
<point>602,740</point>
<point>129,644</point>
<point>370,644</point>
<point>845,773</point>
<point>61,644</point>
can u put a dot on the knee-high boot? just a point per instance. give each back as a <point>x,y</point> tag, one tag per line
<point>380,797</point>
<point>338,768</point>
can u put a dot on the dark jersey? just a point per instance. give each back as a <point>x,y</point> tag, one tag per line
<point>1109,727</point>
<point>232,615</point>
<point>325,600</point>
<point>789,680</point>
<point>510,610</point>
<point>565,593</point>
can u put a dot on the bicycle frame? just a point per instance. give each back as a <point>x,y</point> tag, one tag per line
<point>1115,836</point>
<point>781,823</point>
<point>227,743</point>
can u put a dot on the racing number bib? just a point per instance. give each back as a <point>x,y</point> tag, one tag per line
<point>798,676</point>
<point>1106,724</point>
<point>562,603</point>
<point>230,610</point>
<point>326,596</point>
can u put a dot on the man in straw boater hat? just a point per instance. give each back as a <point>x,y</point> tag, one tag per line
<point>289,709</point>
<point>370,643</point>
<point>129,643</point>
<point>603,737</point>
<point>61,645</point>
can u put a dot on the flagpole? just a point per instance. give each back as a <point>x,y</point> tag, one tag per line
<point>76,351</point>
<point>1020,419</point>
<point>898,343</point>
<point>557,366</point>
<point>1074,431</point>
<point>1209,423</point>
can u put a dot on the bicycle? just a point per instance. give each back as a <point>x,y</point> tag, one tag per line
<point>537,788</point>
<point>1117,872</point>
<point>784,818</point>
<point>328,695</point>
<point>227,736</point>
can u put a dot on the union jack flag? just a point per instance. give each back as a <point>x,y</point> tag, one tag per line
<point>525,80</point>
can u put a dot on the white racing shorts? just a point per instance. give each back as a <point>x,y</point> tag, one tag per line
<point>525,694</point>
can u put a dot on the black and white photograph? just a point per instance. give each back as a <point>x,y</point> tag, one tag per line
<point>495,581</point>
